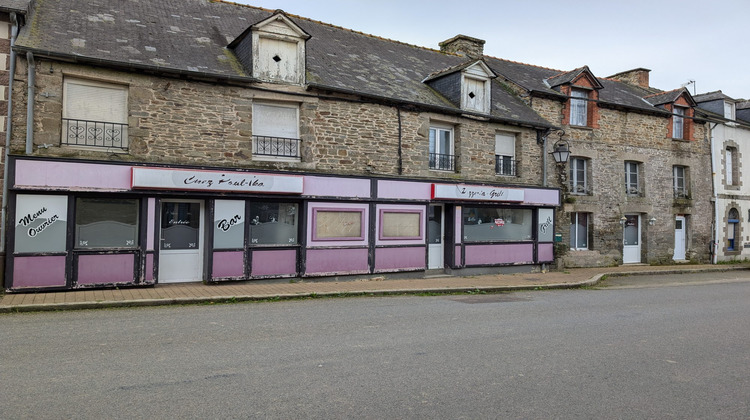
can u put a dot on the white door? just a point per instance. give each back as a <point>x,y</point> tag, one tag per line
<point>631,239</point>
<point>679,238</point>
<point>435,237</point>
<point>181,241</point>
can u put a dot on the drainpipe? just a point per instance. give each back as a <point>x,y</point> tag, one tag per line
<point>400,153</point>
<point>30,104</point>
<point>714,183</point>
<point>8,125</point>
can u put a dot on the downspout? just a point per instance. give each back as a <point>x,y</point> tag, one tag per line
<point>715,232</point>
<point>8,125</point>
<point>30,104</point>
<point>400,157</point>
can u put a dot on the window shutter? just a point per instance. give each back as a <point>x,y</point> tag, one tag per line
<point>84,101</point>
<point>275,121</point>
<point>505,145</point>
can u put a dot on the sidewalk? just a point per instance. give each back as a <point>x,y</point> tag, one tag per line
<point>191,293</point>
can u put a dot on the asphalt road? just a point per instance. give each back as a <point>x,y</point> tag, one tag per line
<point>634,353</point>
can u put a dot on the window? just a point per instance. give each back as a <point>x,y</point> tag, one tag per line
<point>94,114</point>
<point>632,186</point>
<point>400,224</point>
<point>729,110</point>
<point>496,224</point>
<point>441,149</point>
<point>273,223</point>
<point>579,231</point>
<point>731,167</point>
<point>578,177</point>
<point>106,223</point>
<point>678,123</point>
<point>41,223</point>
<point>229,224</point>
<point>680,181</point>
<point>276,131</point>
<point>733,224</point>
<point>505,154</point>
<point>578,107</point>
<point>476,94</point>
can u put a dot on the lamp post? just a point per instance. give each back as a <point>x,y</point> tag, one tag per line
<point>562,151</point>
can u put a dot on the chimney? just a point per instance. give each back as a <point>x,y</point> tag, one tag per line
<point>464,46</point>
<point>636,77</point>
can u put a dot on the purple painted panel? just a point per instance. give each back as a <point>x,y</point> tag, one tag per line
<point>457,256</point>
<point>228,264</point>
<point>541,196</point>
<point>336,187</point>
<point>150,222</point>
<point>546,252</point>
<point>458,223</point>
<point>149,274</point>
<point>499,254</point>
<point>405,190</point>
<point>337,261</point>
<point>72,176</point>
<point>393,259</point>
<point>38,271</point>
<point>311,229</point>
<point>384,208</point>
<point>274,262</point>
<point>100,269</point>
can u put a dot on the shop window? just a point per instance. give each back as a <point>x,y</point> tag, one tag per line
<point>579,107</point>
<point>276,131</point>
<point>400,224</point>
<point>94,115</point>
<point>229,224</point>
<point>441,149</point>
<point>338,224</point>
<point>579,231</point>
<point>273,223</point>
<point>41,223</point>
<point>680,181</point>
<point>632,179</point>
<point>505,154</point>
<point>493,224</point>
<point>579,183</point>
<point>106,223</point>
<point>733,224</point>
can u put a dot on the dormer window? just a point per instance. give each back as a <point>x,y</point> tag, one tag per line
<point>678,123</point>
<point>579,107</point>
<point>729,110</point>
<point>476,94</point>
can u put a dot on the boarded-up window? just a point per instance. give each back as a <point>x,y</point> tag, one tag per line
<point>338,224</point>
<point>275,121</point>
<point>278,60</point>
<point>401,225</point>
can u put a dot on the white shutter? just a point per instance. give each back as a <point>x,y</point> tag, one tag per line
<point>95,102</point>
<point>505,145</point>
<point>275,121</point>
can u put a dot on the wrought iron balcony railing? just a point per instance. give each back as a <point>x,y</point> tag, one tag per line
<point>580,189</point>
<point>681,193</point>
<point>505,165</point>
<point>442,162</point>
<point>94,134</point>
<point>276,147</point>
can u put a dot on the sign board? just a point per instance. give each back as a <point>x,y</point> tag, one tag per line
<point>476,193</point>
<point>194,180</point>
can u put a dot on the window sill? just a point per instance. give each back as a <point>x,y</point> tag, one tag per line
<point>581,127</point>
<point>108,150</point>
<point>258,158</point>
<point>681,140</point>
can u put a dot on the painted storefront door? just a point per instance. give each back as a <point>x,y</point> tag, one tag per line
<point>435,237</point>
<point>181,241</point>
<point>631,248</point>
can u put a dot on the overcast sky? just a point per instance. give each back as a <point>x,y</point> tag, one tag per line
<point>679,41</point>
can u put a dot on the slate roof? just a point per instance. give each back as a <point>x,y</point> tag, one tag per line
<point>17,6</point>
<point>665,97</point>
<point>711,96</point>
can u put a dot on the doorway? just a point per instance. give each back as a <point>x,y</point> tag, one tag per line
<point>435,237</point>
<point>181,241</point>
<point>631,239</point>
<point>679,238</point>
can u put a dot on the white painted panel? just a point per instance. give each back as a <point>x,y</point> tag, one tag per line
<point>278,60</point>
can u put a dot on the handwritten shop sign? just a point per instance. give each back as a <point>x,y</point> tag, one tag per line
<point>476,193</point>
<point>179,179</point>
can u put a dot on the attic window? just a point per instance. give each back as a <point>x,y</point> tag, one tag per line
<point>276,58</point>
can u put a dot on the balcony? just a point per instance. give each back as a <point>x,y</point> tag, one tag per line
<point>277,147</point>
<point>505,165</point>
<point>442,162</point>
<point>681,193</point>
<point>98,134</point>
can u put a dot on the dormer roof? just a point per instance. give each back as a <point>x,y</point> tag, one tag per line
<point>663,98</point>
<point>571,77</point>
<point>475,64</point>
<point>278,17</point>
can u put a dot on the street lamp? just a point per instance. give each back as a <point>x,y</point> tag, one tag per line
<point>562,151</point>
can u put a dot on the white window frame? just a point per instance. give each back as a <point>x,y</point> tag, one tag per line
<point>579,107</point>
<point>678,123</point>
<point>269,131</point>
<point>116,94</point>
<point>480,102</point>
<point>505,150</point>
<point>574,231</point>
<point>632,178</point>
<point>437,147</point>
<point>578,185</point>
<point>730,161</point>
<point>729,110</point>
<point>679,181</point>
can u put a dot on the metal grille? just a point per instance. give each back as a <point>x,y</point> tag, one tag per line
<point>276,146</point>
<point>505,165</point>
<point>442,162</point>
<point>95,134</point>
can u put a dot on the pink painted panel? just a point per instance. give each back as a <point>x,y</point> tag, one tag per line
<point>391,259</point>
<point>150,224</point>
<point>149,274</point>
<point>101,269</point>
<point>542,196</point>
<point>337,261</point>
<point>384,208</point>
<point>319,186</point>
<point>458,223</point>
<point>274,262</point>
<point>457,256</point>
<point>71,175</point>
<point>404,190</point>
<point>499,254</point>
<point>38,271</point>
<point>228,264</point>
<point>546,252</point>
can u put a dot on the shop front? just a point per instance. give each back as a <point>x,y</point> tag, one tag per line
<point>92,224</point>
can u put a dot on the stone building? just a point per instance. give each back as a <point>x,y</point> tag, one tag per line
<point>215,142</point>
<point>730,141</point>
